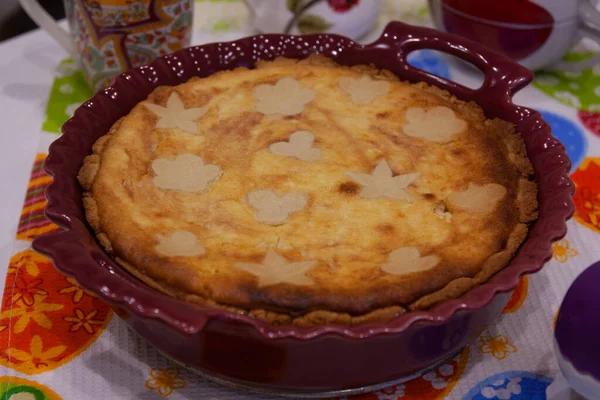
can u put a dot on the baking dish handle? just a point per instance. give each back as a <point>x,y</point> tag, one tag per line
<point>503,77</point>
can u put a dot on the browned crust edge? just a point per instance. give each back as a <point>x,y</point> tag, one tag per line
<point>526,202</point>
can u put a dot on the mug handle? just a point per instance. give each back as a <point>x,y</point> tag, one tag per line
<point>590,28</point>
<point>46,22</point>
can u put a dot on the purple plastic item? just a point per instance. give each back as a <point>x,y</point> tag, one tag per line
<point>289,359</point>
<point>578,323</point>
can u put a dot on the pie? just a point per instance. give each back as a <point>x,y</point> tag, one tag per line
<point>307,193</point>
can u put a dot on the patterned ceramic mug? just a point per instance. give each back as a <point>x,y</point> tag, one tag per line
<point>108,37</point>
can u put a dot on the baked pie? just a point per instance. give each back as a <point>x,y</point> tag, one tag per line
<point>305,192</point>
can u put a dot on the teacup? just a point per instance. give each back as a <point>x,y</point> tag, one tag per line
<point>107,37</point>
<point>351,18</point>
<point>536,33</point>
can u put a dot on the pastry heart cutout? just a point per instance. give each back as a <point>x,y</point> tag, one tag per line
<point>299,146</point>
<point>286,97</point>
<point>437,124</point>
<point>179,243</point>
<point>273,209</point>
<point>187,173</point>
<point>406,260</point>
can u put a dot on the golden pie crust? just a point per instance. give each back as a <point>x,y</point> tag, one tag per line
<point>340,231</point>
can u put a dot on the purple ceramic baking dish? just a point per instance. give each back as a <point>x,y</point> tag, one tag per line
<point>288,359</point>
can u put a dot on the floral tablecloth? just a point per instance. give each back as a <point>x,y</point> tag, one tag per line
<point>59,342</point>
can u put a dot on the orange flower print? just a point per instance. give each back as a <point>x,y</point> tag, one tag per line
<point>563,250</point>
<point>164,381</point>
<point>64,326</point>
<point>25,314</point>
<point>498,346</point>
<point>518,297</point>
<point>75,289</point>
<point>24,291</point>
<point>391,393</point>
<point>589,207</point>
<point>29,260</point>
<point>36,357</point>
<point>587,195</point>
<point>86,322</point>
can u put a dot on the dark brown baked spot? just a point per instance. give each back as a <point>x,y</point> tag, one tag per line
<point>382,115</point>
<point>386,229</point>
<point>429,196</point>
<point>503,243</point>
<point>349,188</point>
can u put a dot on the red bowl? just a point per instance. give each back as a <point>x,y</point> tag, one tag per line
<point>515,28</point>
<point>283,359</point>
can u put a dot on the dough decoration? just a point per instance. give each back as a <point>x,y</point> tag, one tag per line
<point>382,183</point>
<point>406,260</point>
<point>281,243</point>
<point>438,124</point>
<point>365,89</point>
<point>187,172</point>
<point>175,115</point>
<point>179,243</point>
<point>476,199</point>
<point>273,209</point>
<point>299,146</point>
<point>286,97</point>
<point>276,269</point>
